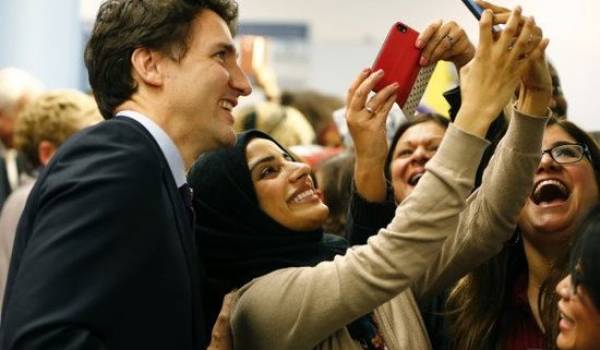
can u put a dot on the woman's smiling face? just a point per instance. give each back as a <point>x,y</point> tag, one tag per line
<point>579,318</point>
<point>284,188</point>
<point>562,195</point>
<point>414,149</point>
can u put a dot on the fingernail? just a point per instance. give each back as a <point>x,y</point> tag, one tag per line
<point>379,72</point>
<point>423,61</point>
<point>366,70</point>
<point>419,43</point>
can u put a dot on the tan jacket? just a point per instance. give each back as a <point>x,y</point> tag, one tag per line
<point>432,241</point>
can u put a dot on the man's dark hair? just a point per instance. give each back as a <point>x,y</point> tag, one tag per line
<point>124,25</point>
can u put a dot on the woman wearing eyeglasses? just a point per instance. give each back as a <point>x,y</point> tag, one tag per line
<point>510,301</point>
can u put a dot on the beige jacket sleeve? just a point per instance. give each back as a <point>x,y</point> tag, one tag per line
<point>490,217</point>
<point>297,308</point>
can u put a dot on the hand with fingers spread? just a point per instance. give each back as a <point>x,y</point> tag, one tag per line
<point>489,81</point>
<point>366,118</point>
<point>535,91</point>
<point>445,41</point>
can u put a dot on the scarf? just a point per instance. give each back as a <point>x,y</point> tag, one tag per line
<point>238,241</point>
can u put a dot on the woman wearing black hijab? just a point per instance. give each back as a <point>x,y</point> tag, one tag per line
<point>258,219</point>
<point>294,294</point>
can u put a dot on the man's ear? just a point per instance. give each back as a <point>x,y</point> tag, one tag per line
<point>146,64</point>
<point>46,150</point>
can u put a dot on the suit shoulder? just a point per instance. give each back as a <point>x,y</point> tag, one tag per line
<point>111,143</point>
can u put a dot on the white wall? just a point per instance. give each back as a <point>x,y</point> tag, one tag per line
<point>43,37</point>
<point>346,35</point>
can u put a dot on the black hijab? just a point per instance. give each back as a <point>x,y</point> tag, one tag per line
<point>236,239</point>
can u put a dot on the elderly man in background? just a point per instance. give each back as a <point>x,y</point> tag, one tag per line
<point>44,124</point>
<point>17,88</point>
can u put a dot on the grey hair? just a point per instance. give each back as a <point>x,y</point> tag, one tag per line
<point>14,85</point>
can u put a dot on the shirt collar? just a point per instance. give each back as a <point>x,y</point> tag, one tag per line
<point>167,146</point>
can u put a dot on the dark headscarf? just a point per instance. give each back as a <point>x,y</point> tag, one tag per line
<point>236,239</point>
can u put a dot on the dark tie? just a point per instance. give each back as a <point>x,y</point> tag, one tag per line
<point>186,194</point>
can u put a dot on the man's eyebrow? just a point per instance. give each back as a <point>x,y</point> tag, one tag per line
<point>260,161</point>
<point>227,47</point>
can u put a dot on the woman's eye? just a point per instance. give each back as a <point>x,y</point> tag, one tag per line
<point>268,171</point>
<point>404,153</point>
<point>433,148</point>
<point>566,153</point>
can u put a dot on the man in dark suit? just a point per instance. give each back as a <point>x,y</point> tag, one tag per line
<point>104,256</point>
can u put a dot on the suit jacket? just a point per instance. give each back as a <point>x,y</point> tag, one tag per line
<point>4,183</point>
<point>104,256</point>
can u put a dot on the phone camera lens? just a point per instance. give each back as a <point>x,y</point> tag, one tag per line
<point>402,28</point>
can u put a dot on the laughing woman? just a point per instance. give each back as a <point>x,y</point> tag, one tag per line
<point>508,303</point>
<point>259,222</point>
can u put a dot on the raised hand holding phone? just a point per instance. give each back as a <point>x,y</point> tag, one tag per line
<point>535,91</point>
<point>366,118</point>
<point>445,41</point>
<point>399,59</point>
<point>476,9</point>
<point>489,81</point>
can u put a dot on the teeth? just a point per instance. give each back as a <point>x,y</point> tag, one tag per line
<point>226,104</point>
<point>303,195</point>
<point>559,184</point>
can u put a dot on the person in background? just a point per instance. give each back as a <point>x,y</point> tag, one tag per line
<point>17,88</point>
<point>579,291</point>
<point>558,104</point>
<point>104,255</point>
<point>318,109</point>
<point>45,123</point>
<point>286,124</point>
<point>334,180</point>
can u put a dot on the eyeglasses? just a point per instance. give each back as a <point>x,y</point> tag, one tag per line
<point>568,153</point>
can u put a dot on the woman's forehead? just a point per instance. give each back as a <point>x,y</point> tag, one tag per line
<point>555,133</point>
<point>259,147</point>
<point>422,132</point>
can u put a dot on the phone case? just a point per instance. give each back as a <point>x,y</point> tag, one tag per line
<point>399,59</point>
<point>475,9</point>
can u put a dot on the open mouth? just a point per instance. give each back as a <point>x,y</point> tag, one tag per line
<point>413,180</point>
<point>550,191</point>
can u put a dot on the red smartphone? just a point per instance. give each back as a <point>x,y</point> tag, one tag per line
<point>399,59</point>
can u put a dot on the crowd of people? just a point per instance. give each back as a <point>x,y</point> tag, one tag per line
<point>185,221</point>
